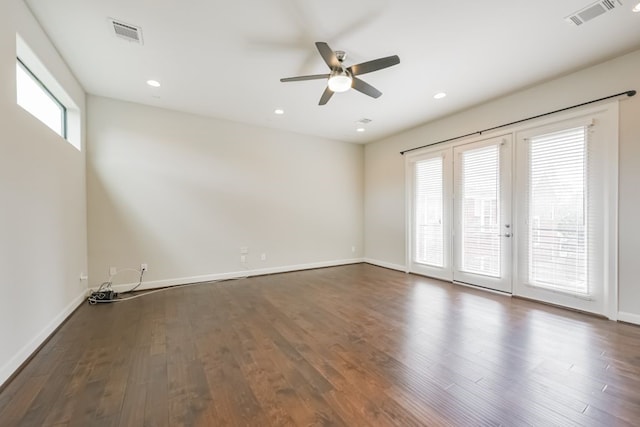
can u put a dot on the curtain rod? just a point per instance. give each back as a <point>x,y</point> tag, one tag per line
<point>480,132</point>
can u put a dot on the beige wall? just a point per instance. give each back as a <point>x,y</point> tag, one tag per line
<point>183,193</point>
<point>384,166</point>
<point>43,214</point>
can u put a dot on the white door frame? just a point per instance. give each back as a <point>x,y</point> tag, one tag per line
<point>501,283</point>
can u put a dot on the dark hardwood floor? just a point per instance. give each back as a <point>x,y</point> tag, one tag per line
<point>351,346</point>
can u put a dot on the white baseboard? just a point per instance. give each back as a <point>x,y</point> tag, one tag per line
<point>155,284</point>
<point>25,352</point>
<point>386,264</point>
<point>629,317</point>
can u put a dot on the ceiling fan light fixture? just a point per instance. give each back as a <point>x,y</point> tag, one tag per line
<point>340,81</point>
<point>342,78</point>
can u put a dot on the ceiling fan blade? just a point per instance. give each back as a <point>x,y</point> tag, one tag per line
<point>375,65</point>
<point>301,78</point>
<point>366,88</point>
<point>326,96</point>
<point>328,55</point>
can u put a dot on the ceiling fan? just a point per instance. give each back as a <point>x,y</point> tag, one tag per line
<point>342,78</point>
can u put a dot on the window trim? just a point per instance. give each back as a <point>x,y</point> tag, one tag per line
<point>63,108</point>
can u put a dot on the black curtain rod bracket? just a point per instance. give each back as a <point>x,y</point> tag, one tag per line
<point>629,93</point>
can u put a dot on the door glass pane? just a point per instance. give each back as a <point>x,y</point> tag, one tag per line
<point>557,232</point>
<point>480,226</point>
<point>429,237</point>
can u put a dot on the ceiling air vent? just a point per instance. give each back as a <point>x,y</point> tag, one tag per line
<point>127,32</point>
<point>592,11</point>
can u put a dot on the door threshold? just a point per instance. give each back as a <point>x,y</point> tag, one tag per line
<point>482,288</point>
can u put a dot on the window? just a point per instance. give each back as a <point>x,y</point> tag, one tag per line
<point>567,208</point>
<point>34,97</point>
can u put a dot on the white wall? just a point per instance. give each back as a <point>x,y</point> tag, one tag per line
<point>183,193</point>
<point>43,243</point>
<point>384,166</point>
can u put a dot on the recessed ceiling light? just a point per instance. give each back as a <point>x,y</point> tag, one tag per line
<point>636,8</point>
<point>279,112</point>
<point>153,83</point>
<point>360,130</point>
<point>439,95</point>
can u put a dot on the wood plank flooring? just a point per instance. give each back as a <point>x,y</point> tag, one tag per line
<point>356,345</point>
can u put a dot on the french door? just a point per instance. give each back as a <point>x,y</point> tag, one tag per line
<point>461,214</point>
<point>482,230</point>
<point>556,241</point>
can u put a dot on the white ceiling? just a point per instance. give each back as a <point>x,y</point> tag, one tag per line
<point>225,58</point>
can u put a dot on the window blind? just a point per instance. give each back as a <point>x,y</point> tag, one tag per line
<point>557,223</point>
<point>479,191</point>
<point>429,232</point>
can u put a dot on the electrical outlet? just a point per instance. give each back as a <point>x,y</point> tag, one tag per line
<point>83,277</point>
<point>353,248</point>
<point>243,258</point>
<point>244,250</point>
<point>113,271</point>
<point>144,267</point>
<point>263,257</point>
